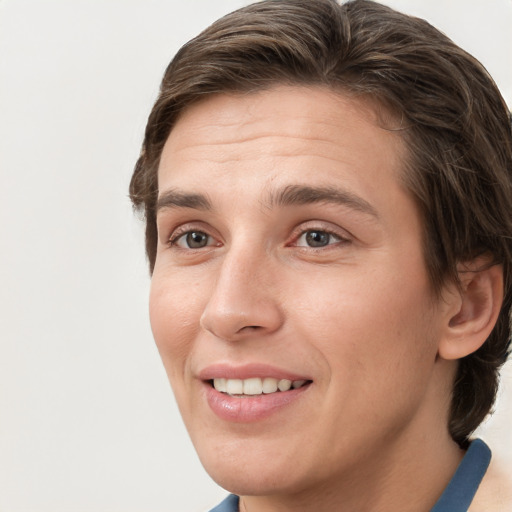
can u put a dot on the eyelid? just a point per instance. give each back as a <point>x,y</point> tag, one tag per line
<point>178,229</point>
<point>335,239</point>
<point>189,227</point>
<point>342,234</point>
<point>175,240</point>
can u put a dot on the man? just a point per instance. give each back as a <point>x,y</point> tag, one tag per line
<point>327,194</point>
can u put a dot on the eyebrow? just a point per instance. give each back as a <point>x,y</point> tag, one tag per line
<point>302,195</point>
<point>177,199</point>
<point>288,196</point>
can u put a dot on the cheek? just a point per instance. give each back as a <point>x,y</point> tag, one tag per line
<point>370,334</point>
<point>174,311</point>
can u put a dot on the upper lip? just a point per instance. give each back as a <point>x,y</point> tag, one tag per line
<point>247,371</point>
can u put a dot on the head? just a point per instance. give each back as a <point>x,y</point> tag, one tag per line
<point>456,163</point>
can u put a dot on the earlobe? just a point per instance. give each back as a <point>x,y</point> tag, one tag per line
<point>475,309</point>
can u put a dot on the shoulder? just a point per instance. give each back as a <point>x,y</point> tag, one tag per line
<point>495,491</point>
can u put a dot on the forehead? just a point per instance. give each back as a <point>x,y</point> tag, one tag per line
<point>281,136</point>
<point>292,117</point>
<point>310,105</point>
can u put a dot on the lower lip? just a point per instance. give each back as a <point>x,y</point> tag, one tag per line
<point>250,408</point>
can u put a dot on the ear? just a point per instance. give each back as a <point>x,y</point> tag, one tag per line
<point>472,309</point>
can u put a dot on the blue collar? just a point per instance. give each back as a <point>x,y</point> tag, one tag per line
<point>230,504</point>
<point>461,490</point>
<point>457,496</point>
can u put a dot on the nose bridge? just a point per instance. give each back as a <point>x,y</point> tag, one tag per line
<point>242,300</point>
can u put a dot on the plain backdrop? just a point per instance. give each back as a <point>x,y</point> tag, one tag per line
<point>87,419</point>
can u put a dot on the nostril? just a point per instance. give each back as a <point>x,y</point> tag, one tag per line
<point>250,328</point>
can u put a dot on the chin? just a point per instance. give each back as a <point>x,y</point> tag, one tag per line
<point>247,481</point>
<point>254,470</point>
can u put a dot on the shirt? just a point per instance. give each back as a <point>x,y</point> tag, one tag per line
<point>457,496</point>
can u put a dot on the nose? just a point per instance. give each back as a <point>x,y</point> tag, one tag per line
<point>244,299</point>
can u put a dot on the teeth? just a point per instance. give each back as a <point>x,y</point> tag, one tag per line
<point>284,385</point>
<point>269,385</point>
<point>220,385</point>
<point>255,386</point>
<point>234,386</point>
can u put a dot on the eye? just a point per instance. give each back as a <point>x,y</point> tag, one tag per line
<point>317,238</point>
<point>192,240</point>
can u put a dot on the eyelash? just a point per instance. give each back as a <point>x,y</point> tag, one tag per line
<point>185,231</point>
<point>334,238</point>
<point>338,238</point>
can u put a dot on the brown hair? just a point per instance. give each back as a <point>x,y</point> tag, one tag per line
<point>455,124</point>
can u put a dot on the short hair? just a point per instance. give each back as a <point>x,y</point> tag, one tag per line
<point>454,123</point>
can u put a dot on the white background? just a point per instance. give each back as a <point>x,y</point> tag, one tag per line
<point>87,419</point>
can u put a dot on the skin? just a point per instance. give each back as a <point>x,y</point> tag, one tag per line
<point>495,492</point>
<point>357,316</point>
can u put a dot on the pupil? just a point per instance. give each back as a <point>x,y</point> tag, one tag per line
<point>317,238</point>
<point>197,239</point>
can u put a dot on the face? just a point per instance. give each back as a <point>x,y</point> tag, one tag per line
<point>290,300</point>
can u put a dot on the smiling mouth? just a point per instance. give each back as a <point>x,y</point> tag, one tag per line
<point>256,386</point>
